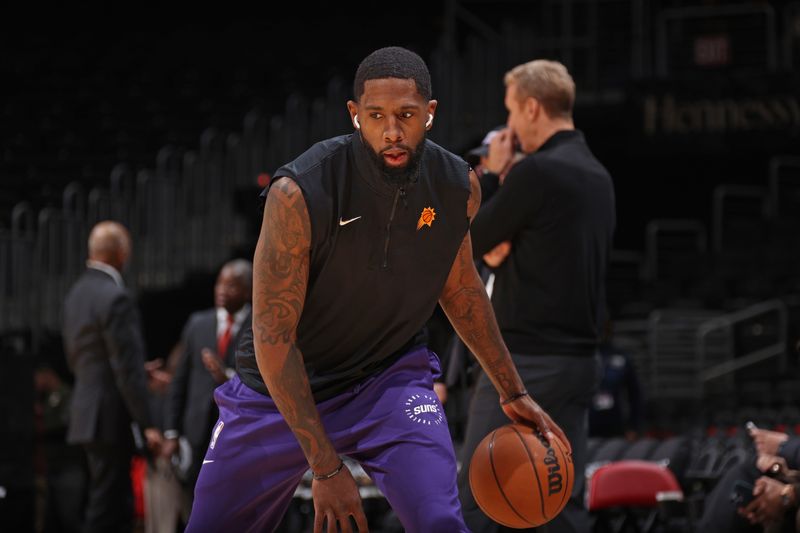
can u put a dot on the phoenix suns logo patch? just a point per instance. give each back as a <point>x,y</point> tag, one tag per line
<point>426,218</point>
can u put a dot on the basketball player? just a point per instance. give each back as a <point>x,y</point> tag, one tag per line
<point>361,236</point>
<point>556,207</point>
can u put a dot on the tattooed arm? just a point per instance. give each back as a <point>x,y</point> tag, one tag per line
<point>280,279</point>
<point>467,305</point>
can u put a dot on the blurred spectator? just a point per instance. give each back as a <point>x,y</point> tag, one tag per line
<point>775,480</point>
<point>163,494</point>
<point>105,351</point>
<point>617,406</point>
<point>207,360</point>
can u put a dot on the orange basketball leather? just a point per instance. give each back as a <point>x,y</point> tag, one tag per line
<point>518,480</point>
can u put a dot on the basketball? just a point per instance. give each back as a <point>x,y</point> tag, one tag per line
<point>517,479</point>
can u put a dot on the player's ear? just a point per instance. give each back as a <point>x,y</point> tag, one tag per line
<point>352,108</point>
<point>431,112</point>
<point>431,109</point>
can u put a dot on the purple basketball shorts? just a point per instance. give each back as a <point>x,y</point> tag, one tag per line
<point>392,424</point>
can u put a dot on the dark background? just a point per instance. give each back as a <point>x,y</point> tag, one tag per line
<point>86,88</point>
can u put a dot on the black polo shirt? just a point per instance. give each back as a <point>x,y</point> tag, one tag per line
<point>556,207</point>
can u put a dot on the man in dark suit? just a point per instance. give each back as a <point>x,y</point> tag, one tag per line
<point>209,342</point>
<point>105,351</point>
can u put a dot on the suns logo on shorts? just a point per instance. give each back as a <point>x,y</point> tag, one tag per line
<point>217,431</point>
<point>424,409</point>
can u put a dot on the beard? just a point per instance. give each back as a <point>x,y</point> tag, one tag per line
<point>397,175</point>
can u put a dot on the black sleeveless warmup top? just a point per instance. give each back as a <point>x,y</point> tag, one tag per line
<point>380,256</point>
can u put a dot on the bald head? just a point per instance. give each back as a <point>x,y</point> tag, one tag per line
<point>110,243</point>
<point>234,285</point>
<point>242,269</point>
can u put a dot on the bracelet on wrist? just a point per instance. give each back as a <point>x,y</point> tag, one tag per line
<point>514,397</point>
<point>323,477</point>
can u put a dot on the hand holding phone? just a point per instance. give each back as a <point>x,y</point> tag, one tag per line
<point>742,493</point>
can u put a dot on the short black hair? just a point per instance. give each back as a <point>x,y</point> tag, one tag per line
<point>393,62</point>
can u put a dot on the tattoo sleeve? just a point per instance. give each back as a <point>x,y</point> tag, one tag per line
<point>280,279</point>
<point>467,306</point>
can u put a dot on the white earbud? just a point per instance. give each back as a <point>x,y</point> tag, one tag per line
<point>430,121</point>
<point>355,122</point>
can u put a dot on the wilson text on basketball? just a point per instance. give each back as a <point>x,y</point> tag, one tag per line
<point>553,472</point>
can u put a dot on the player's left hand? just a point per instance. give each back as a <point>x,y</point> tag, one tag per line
<point>336,501</point>
<point>526,411</point>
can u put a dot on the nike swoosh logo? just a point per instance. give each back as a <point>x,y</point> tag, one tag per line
<point>343,222</point>
<point>206,461</point>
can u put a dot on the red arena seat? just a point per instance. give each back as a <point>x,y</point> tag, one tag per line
<point>632,483</point>
<point>633,494</point>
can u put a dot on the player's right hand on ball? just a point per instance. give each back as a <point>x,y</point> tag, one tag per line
<point>526,411</point>
<point>335,501</point>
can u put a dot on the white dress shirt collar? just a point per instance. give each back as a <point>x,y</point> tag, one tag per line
<point>238,318</point>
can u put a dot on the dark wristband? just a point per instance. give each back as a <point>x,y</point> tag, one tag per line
<point>515,397</point>
<point>323,477</point>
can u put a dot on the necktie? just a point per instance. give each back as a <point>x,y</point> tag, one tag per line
<point>225,339</point>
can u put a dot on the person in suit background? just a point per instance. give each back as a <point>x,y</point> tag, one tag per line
<point>105,352</point>
<point>209,344</point>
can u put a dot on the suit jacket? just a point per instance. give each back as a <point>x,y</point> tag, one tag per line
<point>105,351</point>
<point>191,409</point>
